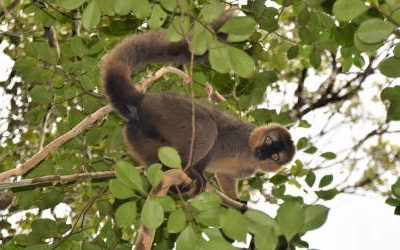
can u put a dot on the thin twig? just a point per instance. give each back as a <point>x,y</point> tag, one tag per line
<point>192,139</point>
<point>230,202</point>
<point>57,178</point>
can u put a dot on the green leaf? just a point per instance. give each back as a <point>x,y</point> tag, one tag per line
<point>396,188</point>
<point>167,203</point>
<point>202,39</point>
<point>154,174</point>
<point>325,181</point>
<point>328,155</point>
<point>41,95</point>
<point>265,77</point>
<point>315,216</point>
<point>278,179</point>
<point>141,8</point>
<point>397,210</point>
<point>214,233</point>
<point>176,221</point>
<point>95,135</point>
<point>359,61</point>
<point>393,202</point>
<point>91,15</point>
<point>46,167</point>
<point>310,178</point>
<point>123,7</point>
<point>70,4</point>
<point>292,52</point>
<point>35,116</point>
<point>266,241</point>
<point>44,228</point>
<point>304,124</point>
<point>347,10</point>
<point>152,214</point>
<point>104,207</point>
<point>374,31</point>
<point>78,46</point>
<point>310,150</point>
<point>226,58</point>
<point>364,47</point>
<point>261,218</point>
<point>290,217</point>
<point>119,190</point>
<point>205,200</point>
<point>390,67</point>
<point>180,25</point>
<point>129,176</point>
<point>219,244</point>
<point>169,157</point>
<point>396,51</point>
<point>256,182</point>
<point>158,17</point>
<point>267,17</point>
<point>302,143</point>
<point>125,215</point>
<point>239,28</point>
<point>107,7</point>
<point>327,194</point>
<point>188,239</point>
<point>315,58</point>
<point>392,94</point>
<point>210,217</point>
<point>42,51</point>
<point>234,225</point>
<point>168,4</point>
<point>212,10</point>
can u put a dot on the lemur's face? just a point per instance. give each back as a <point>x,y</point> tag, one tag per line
<point>272,146</point>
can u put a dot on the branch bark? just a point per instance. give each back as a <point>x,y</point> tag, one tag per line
<point>57,178</point>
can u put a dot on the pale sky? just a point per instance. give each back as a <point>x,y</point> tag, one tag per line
<point>354,222</point>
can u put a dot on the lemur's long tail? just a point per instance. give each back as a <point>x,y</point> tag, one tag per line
<point>140,50</point>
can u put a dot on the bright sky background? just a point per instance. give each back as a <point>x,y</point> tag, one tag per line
<point>354,223</point>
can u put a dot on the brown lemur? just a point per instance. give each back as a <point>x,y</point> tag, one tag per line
<point>229,147</point>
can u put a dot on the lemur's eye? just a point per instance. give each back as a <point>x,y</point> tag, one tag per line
<point>268,140</point>
<point>275,157</point>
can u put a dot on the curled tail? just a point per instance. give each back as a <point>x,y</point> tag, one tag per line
<point>140,50</point>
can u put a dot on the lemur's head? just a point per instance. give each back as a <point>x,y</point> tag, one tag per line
<point>272,146</point>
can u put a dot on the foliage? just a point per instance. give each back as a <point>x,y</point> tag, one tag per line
<point>55,83</point>
<point>394,199</point>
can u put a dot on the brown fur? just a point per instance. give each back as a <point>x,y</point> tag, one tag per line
<point>223,144</point>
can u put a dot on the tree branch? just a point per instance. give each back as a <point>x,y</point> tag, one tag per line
<point>329,96</point>
<point>57,178</point>
<point>231,202</point>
